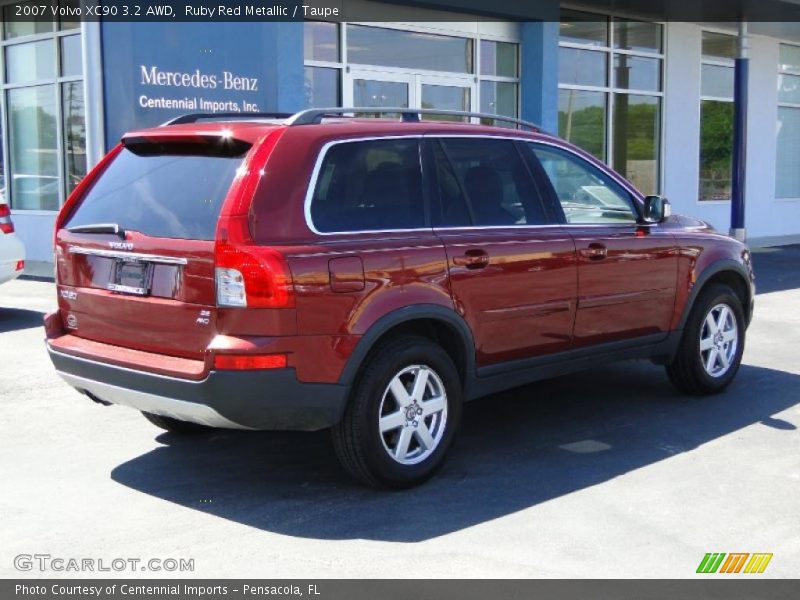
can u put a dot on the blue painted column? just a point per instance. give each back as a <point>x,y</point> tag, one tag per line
<point>283,43</point>
<point>539,73</point>
<point>739,166</point>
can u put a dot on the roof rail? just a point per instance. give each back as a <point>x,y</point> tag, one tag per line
<point>314,116</point>
<point>221,116</point>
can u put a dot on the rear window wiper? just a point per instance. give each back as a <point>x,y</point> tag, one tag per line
<point>99,228</point>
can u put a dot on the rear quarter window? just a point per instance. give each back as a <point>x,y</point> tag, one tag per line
<point>369,185</point>
<point>160,195</point>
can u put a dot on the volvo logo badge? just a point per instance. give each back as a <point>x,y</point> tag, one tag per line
<point>121,245</point>
<point>72,321</point>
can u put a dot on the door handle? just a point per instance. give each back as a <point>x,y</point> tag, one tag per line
<point>594,251</point>
<point>472,259</point>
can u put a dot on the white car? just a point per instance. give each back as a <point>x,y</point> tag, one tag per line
<point>12,251</point>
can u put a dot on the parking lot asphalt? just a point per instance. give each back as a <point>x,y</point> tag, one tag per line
<point>608,473</point>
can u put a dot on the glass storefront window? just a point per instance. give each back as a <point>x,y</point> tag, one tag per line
<point>498,58</point>
<point>13,28</point>
<point>445,97</point>
<point>321,87</point>
<point>31,61</point>
<point>43,100</point>
<point>789,89</point>
<point>789,58</point>
<point>409,49</point>
<point>71,56</point>
<point>716,46</point>
<point>583,28</point>
<point>74,133</point>
<point>582,67</point>
<point>321,41</point>
<point>637,125</point>
<point>637,35</point>
<point>582,120</point>
<point>637,73</point>
<point>716,147</point>
<point>499,98</point>
<point>716,81</point>
<point>787,173</point>
<point>614,116</point>
<point>33,137</point>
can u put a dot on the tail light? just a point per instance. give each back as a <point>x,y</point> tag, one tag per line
<point>19,265</point>
<point>6,226</point>
<point>248,275</point>
<point>241,362</point>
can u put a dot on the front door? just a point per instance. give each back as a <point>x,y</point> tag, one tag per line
<point>627,272</point>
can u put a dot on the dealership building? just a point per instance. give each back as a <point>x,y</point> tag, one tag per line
<point>653,99</point>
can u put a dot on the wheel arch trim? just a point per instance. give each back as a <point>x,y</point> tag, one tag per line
<point>409,314</point>
<point>719,266</point>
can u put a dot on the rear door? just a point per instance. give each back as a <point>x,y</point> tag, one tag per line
<point>627,271</point>
<point>151,285</point>
<point>512,270</point>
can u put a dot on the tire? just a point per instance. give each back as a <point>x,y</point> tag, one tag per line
<point>402,455</point>
<point>176,425</point>
<point>695,370</point>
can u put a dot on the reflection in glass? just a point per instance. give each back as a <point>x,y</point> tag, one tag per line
<point>74,133</point>
<point>637,35</point>
<point>637,73</point>
<point>717,81</point>
<point>716,147</point>
<point>68,22</point>
<point>498,58</point>
<point>321,41</point>
<point>371,93</point>
<point>718,45</point>
<point>30,62</point>
<point>499,98</point>
<point>790,58</point>
<point>581,67</point>
<point>33,134</point>
<point>637,123</point>
<point>445,97</point>
<point>321,87</point>
<point>787,174</point>
<point>408,49</point>
<point>789,89</point>
<point>583,28</point>
<point>15,29</point>
<point>582,120</point>
<point>71,56</point>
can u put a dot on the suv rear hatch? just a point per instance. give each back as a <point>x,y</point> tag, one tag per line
<point>136,245</point>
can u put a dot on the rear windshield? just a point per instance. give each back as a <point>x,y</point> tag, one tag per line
<point>162,195</point>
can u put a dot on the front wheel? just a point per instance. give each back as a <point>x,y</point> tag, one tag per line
<point>710,350</point>
<point>402,416</point>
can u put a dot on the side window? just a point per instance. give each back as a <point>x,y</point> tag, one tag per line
<point>484,182</point>
<point>369,185</point>
<point>587,195</point>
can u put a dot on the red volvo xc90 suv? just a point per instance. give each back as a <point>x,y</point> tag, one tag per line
<point>371,275</point>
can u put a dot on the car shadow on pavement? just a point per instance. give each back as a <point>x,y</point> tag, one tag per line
<point>14,319</point>
<point>777,268</point>
<point>516,450</point>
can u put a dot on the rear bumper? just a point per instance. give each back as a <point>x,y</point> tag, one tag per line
<point>260,399</point>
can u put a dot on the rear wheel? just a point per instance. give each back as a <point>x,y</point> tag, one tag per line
<point>402,416</point>
<point>711,348</point>
<point>175,425</point>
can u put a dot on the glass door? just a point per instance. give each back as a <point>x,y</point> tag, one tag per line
<point>446,93</point>
<point>375,89</point>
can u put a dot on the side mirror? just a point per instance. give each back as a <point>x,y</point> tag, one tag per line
<point>656,209</point>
